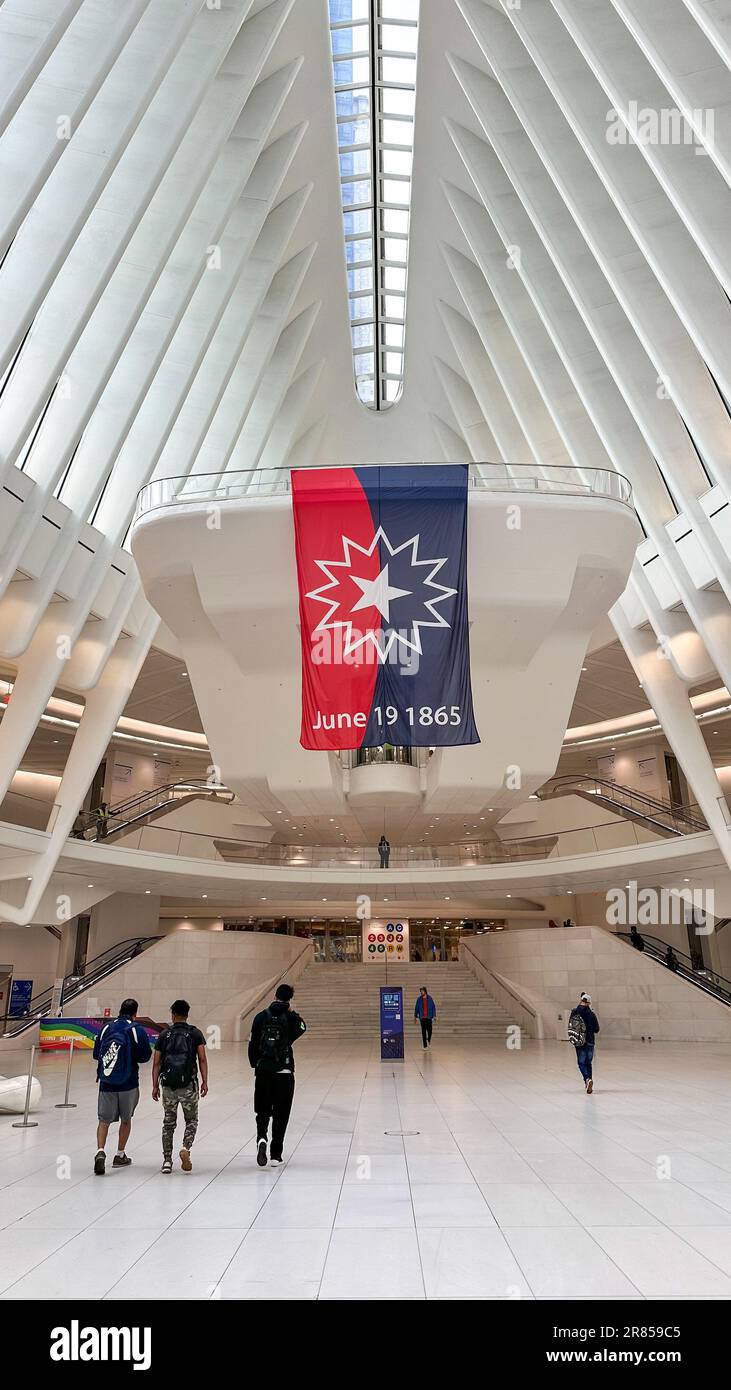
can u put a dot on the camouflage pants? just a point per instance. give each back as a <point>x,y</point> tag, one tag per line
<point>187,1096</point>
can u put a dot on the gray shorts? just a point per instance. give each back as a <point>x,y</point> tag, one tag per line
<point>117,1105</point>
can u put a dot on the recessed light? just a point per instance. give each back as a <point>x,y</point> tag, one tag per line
<point>90,885</point>
<point>204,895</point>
<point>148,891</point>
<point>508,895</point>
<point>263,900</point>
<point>447,900</point>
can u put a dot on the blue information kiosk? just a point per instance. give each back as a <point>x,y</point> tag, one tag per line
<point>392,1023</point>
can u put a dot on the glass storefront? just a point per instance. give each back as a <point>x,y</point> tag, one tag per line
<point>339,941</point>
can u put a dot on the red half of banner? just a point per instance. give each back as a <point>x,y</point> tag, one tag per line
<point>334,530</point>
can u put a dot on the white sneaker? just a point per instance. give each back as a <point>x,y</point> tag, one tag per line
<point>261,1153</point>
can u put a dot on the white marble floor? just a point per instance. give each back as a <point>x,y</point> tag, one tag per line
<point>501,1179</point>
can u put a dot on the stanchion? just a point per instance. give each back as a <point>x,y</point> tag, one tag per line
<point>25,1123</point>
<point>67,1104</point>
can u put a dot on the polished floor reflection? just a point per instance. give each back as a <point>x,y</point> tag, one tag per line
<point>467,1172</point>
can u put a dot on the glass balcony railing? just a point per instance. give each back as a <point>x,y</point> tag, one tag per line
<point>549,479</point>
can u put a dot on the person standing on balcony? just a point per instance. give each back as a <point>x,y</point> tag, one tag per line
<point>583,1027</point>
<point>384,851</point>
<point>425,1011</point>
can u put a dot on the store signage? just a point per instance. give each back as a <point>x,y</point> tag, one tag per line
<point>55,1034</point>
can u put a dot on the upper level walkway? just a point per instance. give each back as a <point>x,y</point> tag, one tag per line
<point>98,869</point>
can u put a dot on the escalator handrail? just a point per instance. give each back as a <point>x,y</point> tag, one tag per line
<point>198,783</point>
<point>657,949</point>
<point>660,802</point>
<point>74,985</point>
<point>675,809</point>
<point>124,811</point>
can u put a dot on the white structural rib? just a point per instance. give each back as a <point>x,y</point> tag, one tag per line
<point>152,260</point>
<point>27,43</point>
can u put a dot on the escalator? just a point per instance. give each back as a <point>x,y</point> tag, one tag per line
<point>661,817</point>
<point>147,806</point>
<point>699,975</point>
<point>74,985</point>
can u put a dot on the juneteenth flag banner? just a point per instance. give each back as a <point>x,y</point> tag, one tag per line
<point>382,574</point>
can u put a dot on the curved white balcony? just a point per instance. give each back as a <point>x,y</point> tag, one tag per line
<point>551,479</point>
<point>549,552</point>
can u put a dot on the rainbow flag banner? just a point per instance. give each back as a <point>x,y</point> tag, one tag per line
<point>55,1034</point>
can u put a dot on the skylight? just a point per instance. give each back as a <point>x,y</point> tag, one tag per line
<point>374,69</point>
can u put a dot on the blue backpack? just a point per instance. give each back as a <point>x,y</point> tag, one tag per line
<point>117,1068</point>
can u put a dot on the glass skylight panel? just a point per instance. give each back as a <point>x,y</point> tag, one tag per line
<point>374,44</point>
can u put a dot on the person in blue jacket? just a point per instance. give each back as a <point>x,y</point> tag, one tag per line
<point>426,1011</point>
<point>119,1050</point>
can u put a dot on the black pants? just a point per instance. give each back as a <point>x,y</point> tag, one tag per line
<point>426,1024</point>
<point>273,1096</point>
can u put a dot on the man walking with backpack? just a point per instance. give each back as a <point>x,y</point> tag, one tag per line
<point>273,1032</point>
<point>179,1050</point>
<point>583,1026</point>
<point>119,1049</point>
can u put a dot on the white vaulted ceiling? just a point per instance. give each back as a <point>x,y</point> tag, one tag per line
<point>173,299</point>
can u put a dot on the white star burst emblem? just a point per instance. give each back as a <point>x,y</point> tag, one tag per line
<point>379,593</point>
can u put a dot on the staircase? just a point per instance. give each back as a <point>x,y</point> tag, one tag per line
<point>341,1002</point>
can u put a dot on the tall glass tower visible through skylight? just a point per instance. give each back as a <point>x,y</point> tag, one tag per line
<point>374,67</point>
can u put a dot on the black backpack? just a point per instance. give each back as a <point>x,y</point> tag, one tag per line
<point>274,1042</point>
<point>178,1058</point>
<point>577,1028</point>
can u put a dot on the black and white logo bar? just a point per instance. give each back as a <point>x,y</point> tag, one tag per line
<point>77,1343</point>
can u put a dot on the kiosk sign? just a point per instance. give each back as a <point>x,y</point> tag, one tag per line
<point>392,1023</point>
